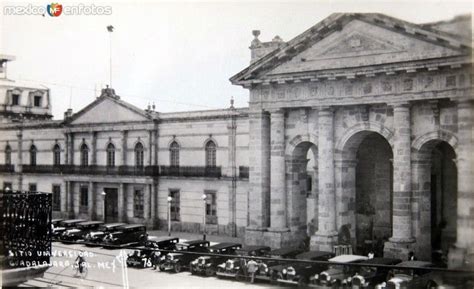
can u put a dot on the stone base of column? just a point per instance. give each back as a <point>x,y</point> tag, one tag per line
<point>399,248</point>
<point>283,237</point>
<point>323,241</point>
<point>457,257</point>
<point>254,236</point>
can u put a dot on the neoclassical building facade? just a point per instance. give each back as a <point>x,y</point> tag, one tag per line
<point>358,131</point>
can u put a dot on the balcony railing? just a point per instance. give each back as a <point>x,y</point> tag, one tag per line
<point>243,172</point>
<point>92,170</point>
<point>172,171</point>
<point>7,168</point>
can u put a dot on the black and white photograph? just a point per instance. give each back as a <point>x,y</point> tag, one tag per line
<point>237,144</point>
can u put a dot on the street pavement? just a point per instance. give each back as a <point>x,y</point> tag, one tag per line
<point>106,270</point>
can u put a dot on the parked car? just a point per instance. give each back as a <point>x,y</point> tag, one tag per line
<point>454,280</point>
<point>80,231</point>
<point>338,275</point>
<point>207,265</point>
<point>125,235</point>
<point>63,225</point>
<point>232,267</point>
<point>366,277</point>
<point>55,225</point>
<point>96,237</point>
<point>299,273</point>
<point>407,278</point>
<point>263,272</point>
<point>148,255</point>
<point>177,261</point>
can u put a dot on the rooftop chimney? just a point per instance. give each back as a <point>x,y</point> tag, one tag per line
<point>68,114</point>
<point>259,49</point>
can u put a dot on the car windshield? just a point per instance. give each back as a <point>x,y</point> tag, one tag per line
<point>367,270</point>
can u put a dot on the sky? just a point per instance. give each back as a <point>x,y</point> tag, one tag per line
<point>178,55</point>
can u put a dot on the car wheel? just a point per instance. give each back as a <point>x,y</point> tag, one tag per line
<point>177,268</point>
<point>210,272</point>
<point>302,282</point>
<point>431,285</point>
<point>162,268</point>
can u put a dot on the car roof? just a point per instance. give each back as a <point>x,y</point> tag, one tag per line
<point>162,239</point>
<point>285,251</point>
<point>415,264</point>
<point>131,226</point>
<point>224,245</point>
<point>314,255</point>
<point>74,221</point>
<point>90,223</point>
<point>108,225</point>
<point>348,258</point>
<point>194,242</point>
<point>254,248</point>
<point>382,261</point>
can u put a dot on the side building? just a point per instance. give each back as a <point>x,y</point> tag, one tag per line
<point>115,162</point>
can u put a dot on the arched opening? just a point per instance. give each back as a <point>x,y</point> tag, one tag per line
<point>33,152</point>
<point>302,189</point>
<point>365,173</point>
<point>56,155</point>
<point>8,155</point>
<point>84,155</point>
<point>436,172</point>
<point>110,155</point>
<point>210,154</point>
<point>443,196</point>
<point>174,154</point>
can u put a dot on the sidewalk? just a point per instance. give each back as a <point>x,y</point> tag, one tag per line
<point>195,236</point>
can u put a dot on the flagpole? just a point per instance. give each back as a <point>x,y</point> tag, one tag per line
<point>110,29</point>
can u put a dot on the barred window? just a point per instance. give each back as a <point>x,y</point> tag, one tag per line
<point>138,203</point>
<point>211,208</point>
<point>139,155</point>
<point>210,154</point>
<point>8,155</point>
<point>84,155</point>
<point>175,205</point>
<point>57,155</point>
<point>56,198</point>
<point>110,155</point>
<point>174,154</point>
<point>33,152</point>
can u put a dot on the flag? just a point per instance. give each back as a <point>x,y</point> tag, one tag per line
<point>110,28</point>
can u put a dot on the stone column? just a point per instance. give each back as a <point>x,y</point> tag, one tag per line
<point>421,205</point>
<point>129,194</point>
<point>345,183</point>
<point>259,178</point>
<point>232,171</point>
<point>465,203</point>
<point>71,148</point>
<point>150,145</point>
<point>94,148</point>
<point>278,174</point>
<point>402,241</point>
<point>124,147</point>
<point>66,159</point>
<point>120,197</point>
<point>19,168</point>
<point>75,198</point>
<point>146,203</point>
<point>326,236</point>
<point>90,197</point>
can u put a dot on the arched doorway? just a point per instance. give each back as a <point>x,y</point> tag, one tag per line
<point>436,171</point>
<point>302,185</point>
<point>364,178</point>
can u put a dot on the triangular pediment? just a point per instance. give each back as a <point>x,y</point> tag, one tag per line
<point>351,41</point>
<point>108,110</point>
<point>360,43</point>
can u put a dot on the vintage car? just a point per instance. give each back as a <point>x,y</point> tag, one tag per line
<point>263,272</point>
<point>63,226</point>
<point>149,255</point>
<point>299,273</point>
<point>368,277</point>
<point>409,277</point>
<point>338,275</point>
<point>207,265</point>
<point>96,237</point>
<point>80,231</point>
<point>454,280</point>
<point>126,235</point>
<point>177,261</point>
<point>55,228</point>
<point>232,267</point>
